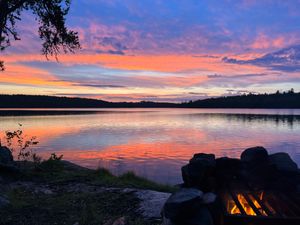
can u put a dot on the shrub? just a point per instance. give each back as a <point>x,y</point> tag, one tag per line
<point>17,142</point>
<point>53,164</point>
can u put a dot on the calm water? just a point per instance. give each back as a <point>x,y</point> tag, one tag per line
<point>155,143</point>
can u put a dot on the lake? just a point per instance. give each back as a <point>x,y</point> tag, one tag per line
<point>155,143</point>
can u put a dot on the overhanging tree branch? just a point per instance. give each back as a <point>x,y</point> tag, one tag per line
<point>52,28</point>
<point>18,4</point>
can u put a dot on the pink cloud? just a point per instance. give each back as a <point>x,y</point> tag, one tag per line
<point>265,42</point>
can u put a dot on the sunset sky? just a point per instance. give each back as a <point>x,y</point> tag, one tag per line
<point>163,50</point>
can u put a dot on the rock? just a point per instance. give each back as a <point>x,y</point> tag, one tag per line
<point>260,176</point>
<point>43,190</point>
<point>5,155</point>
<point>120,221</point>
<point>225,163</point>
<point>182,204</point>
<point>167,221</point>
<point>4,201</point>
<point>210,158</point>
<point>283,162</point>
<point>6,161</point>
<point>228,168</point>
<point>199,171</point>
<point>209,198</point>
<point>201,217</point>
<point>151,203</point>
<point>255,155</point>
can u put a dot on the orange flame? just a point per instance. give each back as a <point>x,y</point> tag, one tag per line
<point>233,208</point>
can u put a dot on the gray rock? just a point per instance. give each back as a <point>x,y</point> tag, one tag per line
<point>182,204</point>
<point>151,203</point>
<point>255,155</point>
<point>283,162</point>
<point>208,198</point>
<point>4,201</point>
<point>5,155</point>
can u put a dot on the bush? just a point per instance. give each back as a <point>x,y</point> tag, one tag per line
<point>53,164</point>
<point>16,141</point>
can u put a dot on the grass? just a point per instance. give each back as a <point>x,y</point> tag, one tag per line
<point>65,206</point>
<point>68,208</point>
<point>100,177</point>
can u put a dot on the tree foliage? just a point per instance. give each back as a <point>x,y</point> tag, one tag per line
<point>51,16</point>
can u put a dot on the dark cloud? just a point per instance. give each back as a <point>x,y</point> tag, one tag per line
<point>115,45</point>
<point>215,76</point>
<point>111,41</point>
<point>85,95</point>
<point>197,93</point>
<point>287,60</point>
<point>112,52</point>
<point>206,56</point>
<point>219,76</point>
<point>99,85</point>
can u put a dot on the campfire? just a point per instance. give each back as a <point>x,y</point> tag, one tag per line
<point>258,189</point>
<point>245,204</point>
<point>263,207</point>
<point>259,193</point>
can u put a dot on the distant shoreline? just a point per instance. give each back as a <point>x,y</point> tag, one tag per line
<point>286,100</point>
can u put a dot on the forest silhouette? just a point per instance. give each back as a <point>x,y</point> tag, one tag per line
<point>288,99</point>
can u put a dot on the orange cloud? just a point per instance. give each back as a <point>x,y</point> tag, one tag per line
<point>158,63</point>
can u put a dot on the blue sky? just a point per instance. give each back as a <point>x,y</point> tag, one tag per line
<point>175,50</point>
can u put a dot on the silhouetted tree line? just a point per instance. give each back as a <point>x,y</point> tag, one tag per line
<point>39,101</point>
<point>288,99</point>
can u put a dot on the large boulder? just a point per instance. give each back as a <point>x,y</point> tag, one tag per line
<point>5,155</point>
<point>228,168</point>
<point>151,203</point>
<point>188,206</point>
<point>199,172</point>
<point>209,158</point>
<point>182,204</point>
<point>283,162</point>
<point>256,155</point>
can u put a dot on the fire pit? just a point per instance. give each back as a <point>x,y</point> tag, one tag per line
<point>258,189</point>
<point>246,206</point>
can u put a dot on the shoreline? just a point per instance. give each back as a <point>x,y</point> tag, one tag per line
<point>61,186</point>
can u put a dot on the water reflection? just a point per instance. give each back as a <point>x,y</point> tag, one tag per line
<point>155,143</point>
